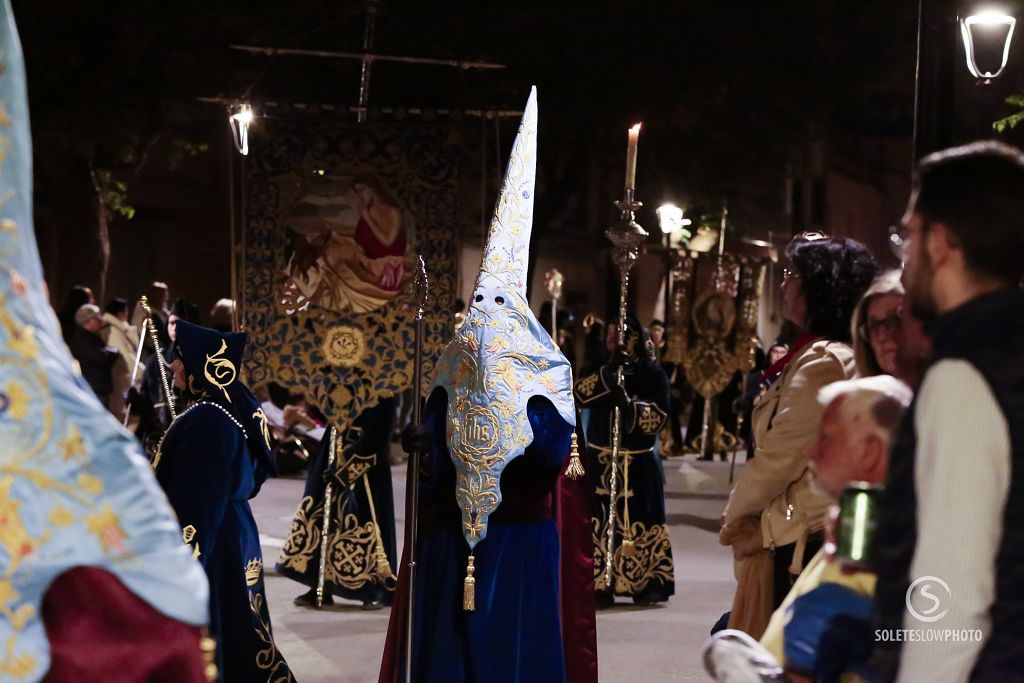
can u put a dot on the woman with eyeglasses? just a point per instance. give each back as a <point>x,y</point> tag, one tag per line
<point>774,519</point>
<point>887,339</point>
<point>876,326</point>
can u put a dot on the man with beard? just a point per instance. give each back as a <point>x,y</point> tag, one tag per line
<point>955,492</point>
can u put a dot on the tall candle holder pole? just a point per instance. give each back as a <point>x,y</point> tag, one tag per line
<point>626,236</point>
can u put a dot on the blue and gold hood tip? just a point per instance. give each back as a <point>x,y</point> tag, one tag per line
<point>501,356</point>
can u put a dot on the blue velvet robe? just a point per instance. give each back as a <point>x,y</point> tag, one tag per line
<point>514,635</point>
<point>209,476</point>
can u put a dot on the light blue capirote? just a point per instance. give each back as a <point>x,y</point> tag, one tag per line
<point>75,489</point>
<point>501,356</point>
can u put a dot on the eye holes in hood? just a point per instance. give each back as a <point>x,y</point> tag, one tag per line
<point>499,299</point>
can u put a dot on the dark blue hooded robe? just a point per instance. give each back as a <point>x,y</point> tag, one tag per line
<point>213,459</point>
<point>642,565</point>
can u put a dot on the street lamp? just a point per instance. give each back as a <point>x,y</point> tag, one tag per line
<point>671,221</point>
<point>986,33</point>
<point>240,119</point>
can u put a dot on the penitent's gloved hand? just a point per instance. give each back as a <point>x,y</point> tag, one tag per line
<point>829,632</point>
<point>416,438</point>
<point>620,358</point>
<point>620,397</point>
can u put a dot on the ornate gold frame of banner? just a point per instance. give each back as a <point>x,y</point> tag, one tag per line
<point>712,322</point>
<point>345,348</point>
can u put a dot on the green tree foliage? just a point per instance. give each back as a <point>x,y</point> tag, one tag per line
<point>1010,122</point>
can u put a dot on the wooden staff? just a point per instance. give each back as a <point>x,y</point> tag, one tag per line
<point>412,486</point>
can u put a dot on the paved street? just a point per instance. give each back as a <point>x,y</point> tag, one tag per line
<point>661,643</point>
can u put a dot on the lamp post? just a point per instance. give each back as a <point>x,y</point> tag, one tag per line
<point>240,119</point>
<point>934,92</point>
<point>987,36</point>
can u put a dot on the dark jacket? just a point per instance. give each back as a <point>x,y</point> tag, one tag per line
<point>998,355</point>
<point>96,360</point>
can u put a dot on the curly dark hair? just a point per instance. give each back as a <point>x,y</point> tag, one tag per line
<point>834,274</point>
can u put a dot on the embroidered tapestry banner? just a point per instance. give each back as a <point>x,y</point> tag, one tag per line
<point>335,217</point>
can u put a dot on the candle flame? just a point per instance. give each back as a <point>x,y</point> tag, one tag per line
<point>636,127</point>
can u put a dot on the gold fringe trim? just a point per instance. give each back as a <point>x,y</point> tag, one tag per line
<point>208,646</point>
<point>575,469</point>
<point>469,587</point>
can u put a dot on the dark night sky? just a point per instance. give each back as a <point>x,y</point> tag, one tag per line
<point>724,87</point>
<point>729,91</point>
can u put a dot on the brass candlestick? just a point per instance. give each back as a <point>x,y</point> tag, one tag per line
<point>626,236</point>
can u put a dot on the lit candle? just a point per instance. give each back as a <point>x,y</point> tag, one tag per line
<point>634,136</point>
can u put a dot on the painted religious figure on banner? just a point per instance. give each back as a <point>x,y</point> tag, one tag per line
<point>351,252</point>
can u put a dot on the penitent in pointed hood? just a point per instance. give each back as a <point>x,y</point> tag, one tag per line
<point>501,356</point>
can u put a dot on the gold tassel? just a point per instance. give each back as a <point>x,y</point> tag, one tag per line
<point>384,573</point>
<point>469,587</point>
<point>575,469</point>
<point>628,549</point>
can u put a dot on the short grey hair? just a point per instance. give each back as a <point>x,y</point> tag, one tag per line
<point>870,404</point>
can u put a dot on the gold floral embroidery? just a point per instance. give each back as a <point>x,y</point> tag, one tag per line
<point>8,596</point>
<point>90,484</point>
<point>268,658</point>
<point>16,666</point>
<point>188,534</point>
<point>61,516</point>
<point>72,445</point>
<point>585,387</point>
<point>649,420</point>
<point>344,346</point>
<point>652,560</point>
<point>106,526</point>
<point>14,536</point>
<point>219,371</point>
<point>351,560</point>
<point>17,399</point>
<point>196,392</point>
<point>21,338</point>
<point>264,423</point>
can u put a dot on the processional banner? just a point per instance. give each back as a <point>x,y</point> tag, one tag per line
<point>335,217</point>
<point>712,329</point>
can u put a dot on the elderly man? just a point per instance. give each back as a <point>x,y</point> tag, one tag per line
<point>95,358</point>
<point>852,445</point>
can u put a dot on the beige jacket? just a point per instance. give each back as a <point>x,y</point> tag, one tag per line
<point>775,485</point>
<point>124,338</point>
